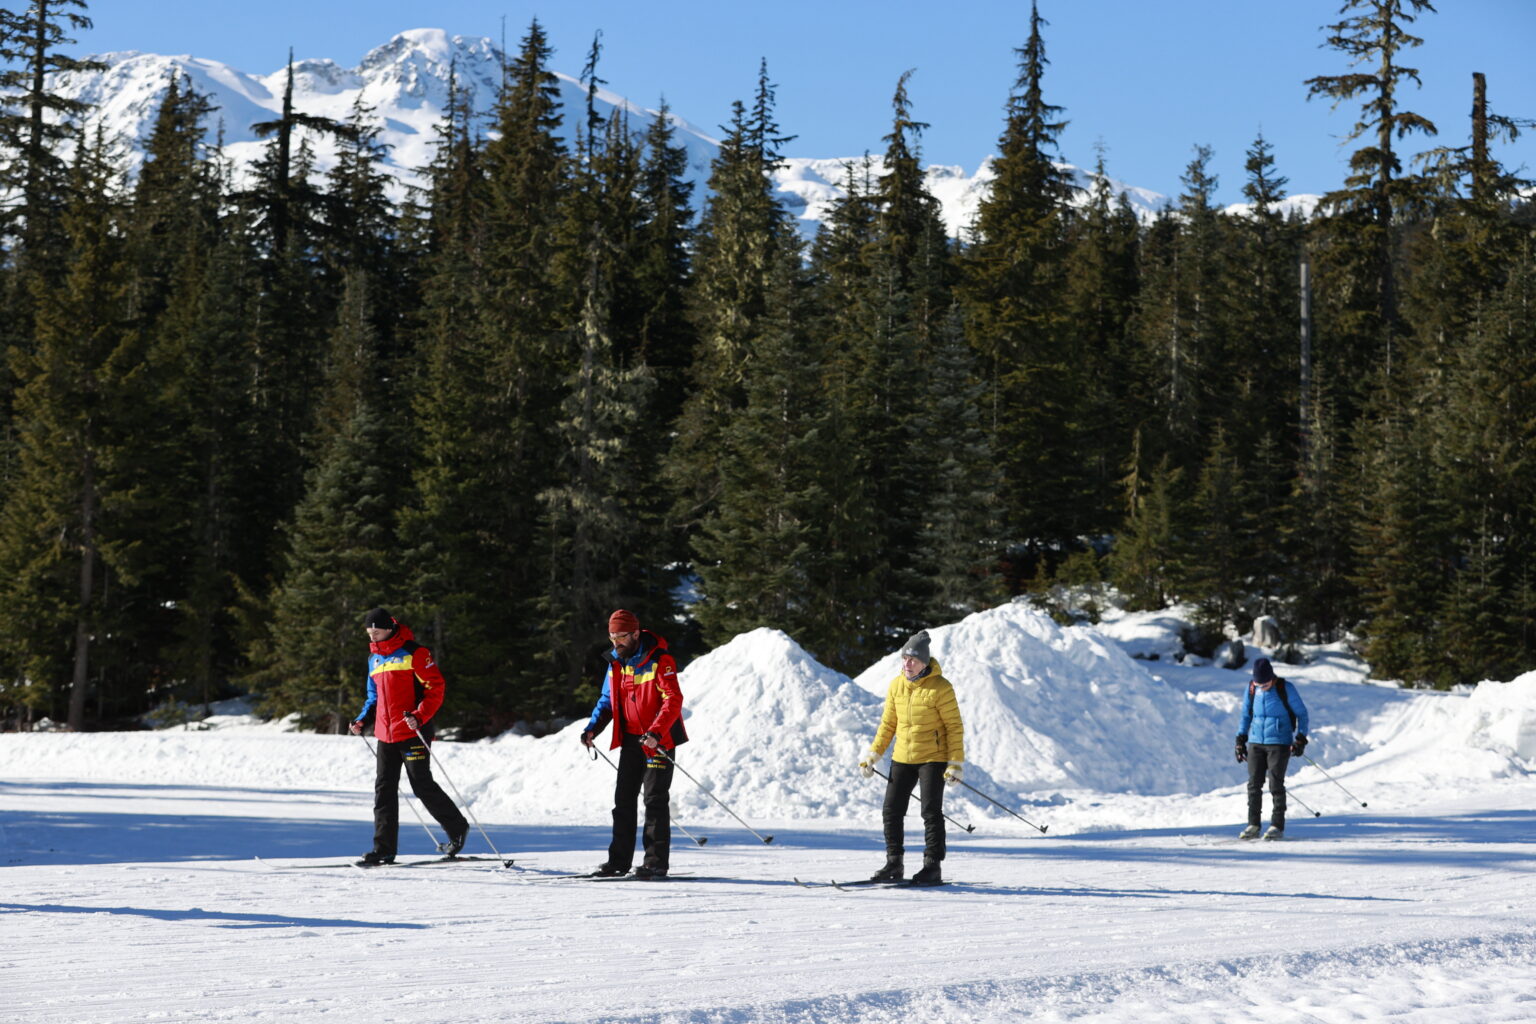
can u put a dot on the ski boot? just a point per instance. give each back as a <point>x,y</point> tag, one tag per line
<point>929,873</point>
<point>455,842</point>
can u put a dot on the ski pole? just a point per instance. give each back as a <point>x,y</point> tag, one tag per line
<point>1292,794</point>
<point>505,862</point>
<point>670,817</point>
<point>766,840</point>
<point>952,821</point>
<point>984,796</point>
<point>408,801</point>
<point>1333,780</point>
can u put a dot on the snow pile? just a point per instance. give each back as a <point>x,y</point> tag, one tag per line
<point>1501,717</point>
<point>1047,706</point>
<point>1488,734</point>
<point>1154,636</point>
<point>775,732</point>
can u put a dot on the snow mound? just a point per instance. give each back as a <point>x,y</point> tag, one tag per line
<point>1501,717</point>
<point>775,732</point>
<point>1053,707</point>
<point>1437,738</point>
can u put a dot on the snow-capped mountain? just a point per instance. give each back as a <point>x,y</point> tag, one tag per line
<point>405,82</point>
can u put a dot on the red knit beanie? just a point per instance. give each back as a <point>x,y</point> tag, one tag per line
<point>622,621</point>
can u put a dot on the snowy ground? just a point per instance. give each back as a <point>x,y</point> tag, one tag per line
<point>203,875</point>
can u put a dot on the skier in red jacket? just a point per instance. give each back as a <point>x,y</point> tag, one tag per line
<point>641,696</point>
<point>405,689</point>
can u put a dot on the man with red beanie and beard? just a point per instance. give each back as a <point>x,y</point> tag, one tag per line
<point>641,696</point>
<point>405,689</point>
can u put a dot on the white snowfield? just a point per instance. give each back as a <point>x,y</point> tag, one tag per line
<point>206,875</point>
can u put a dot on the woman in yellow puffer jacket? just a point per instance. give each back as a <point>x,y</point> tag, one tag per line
<point>922,714</point>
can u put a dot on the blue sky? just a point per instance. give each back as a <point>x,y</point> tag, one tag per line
<point>1145,79</point>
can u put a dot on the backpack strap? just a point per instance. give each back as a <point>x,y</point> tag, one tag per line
<point>1282,686</point>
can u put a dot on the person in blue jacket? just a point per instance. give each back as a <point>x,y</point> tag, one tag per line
<point>1274,727</point>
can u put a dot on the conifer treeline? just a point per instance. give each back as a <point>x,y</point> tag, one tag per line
<point>554,381</point>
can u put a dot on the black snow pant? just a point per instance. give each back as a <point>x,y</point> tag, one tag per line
<point>1267,759</point>
<point>386,794</point>
<point>652,776</point>
<point>928,779</point>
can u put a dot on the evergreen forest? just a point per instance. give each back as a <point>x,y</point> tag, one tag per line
<point>239,410</point>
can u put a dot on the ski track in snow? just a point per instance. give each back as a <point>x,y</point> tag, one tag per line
<point>186,876</point>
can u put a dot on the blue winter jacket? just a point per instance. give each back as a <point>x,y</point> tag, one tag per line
<point>1264,717</point>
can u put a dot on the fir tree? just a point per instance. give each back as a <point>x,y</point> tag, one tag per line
<point>61,546</point>
<point>341,557</point>
<point>1376,193</point>
<point>1264,250</point>
<point>197,430</point>
<point>868,361</point>
<point>491,370</point>
<point>910,226</point>
<point>658,296</point>
<point>35,120</point>
<point>762,558</point>
<point>744,238</point>
<point>1401,547</point>
<point>1012,295</point>
<point>1100,299</point>
<point>1217,544</point>
<point>957,541</point>
<point>602,507</point>
<point>1145,561</point>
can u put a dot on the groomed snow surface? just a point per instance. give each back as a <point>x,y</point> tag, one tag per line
<point>205,875</point>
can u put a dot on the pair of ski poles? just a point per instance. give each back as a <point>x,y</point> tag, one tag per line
<point>672,761</point>
<point>973,789</point>
<point>1291,793</point>
<point>443,847</point>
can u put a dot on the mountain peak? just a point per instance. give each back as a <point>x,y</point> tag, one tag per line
<point>405,83</point>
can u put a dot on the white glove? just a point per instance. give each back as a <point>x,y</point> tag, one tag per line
<point>952,773</point>
<point>867,764</point>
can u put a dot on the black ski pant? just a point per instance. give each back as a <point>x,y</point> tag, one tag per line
<point>1269,759</point>
<point>651,776</point>
<point>928,779</point>
<point>413,755</point>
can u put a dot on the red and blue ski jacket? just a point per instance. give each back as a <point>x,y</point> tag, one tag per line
<point>641,695</point>
<point>403,679</point>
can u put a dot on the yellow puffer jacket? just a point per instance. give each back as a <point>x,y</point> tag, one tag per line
<point>924,717</point>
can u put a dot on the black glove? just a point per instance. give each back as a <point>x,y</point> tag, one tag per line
<point>1300,746</point>
<point>1242,748</point>
<point>586,738</point>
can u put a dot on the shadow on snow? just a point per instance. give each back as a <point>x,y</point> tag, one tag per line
<point>226,920</point>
